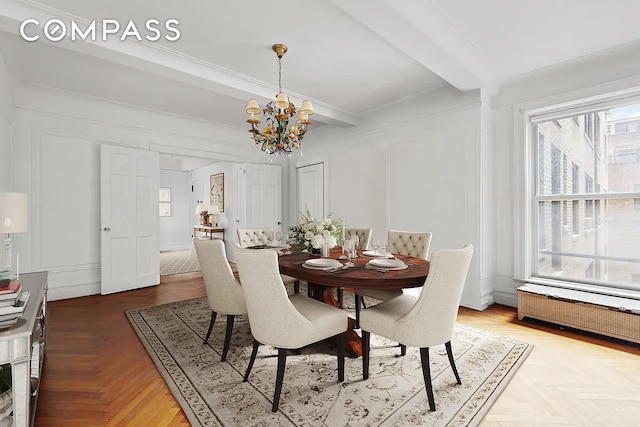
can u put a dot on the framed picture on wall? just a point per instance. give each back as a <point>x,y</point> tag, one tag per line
<point>217,190</point>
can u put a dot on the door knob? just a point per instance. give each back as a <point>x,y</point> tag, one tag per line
<point>106,229</point>
<point>279,223</point>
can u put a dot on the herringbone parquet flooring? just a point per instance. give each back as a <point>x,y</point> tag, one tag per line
<point>97,373</point>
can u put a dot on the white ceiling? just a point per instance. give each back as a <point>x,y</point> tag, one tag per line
<point>348,56</point>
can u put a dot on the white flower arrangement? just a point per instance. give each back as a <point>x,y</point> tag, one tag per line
<point>313,233</point>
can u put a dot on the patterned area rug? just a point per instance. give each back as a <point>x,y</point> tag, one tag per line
<point>177,262</point>
<point>212,392</point>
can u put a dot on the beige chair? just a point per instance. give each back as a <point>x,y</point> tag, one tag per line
<point>364,240</point>
<point>426,320</point>
<point>364,236</point>
<point>410,243</point>
<point>281,321</point>
<point>224,292</point>
<point>253,236</point>
<point>256,237</point>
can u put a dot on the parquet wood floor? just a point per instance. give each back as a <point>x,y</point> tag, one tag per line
<point>97,373</point>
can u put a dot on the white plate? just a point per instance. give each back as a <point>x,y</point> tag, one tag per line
<point>310,267</point>
<point>322,263</point>
<point>372,254</point>
<point>277,246</point>
<point>387,263</point>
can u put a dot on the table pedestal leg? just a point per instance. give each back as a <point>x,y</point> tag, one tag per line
<point>325,294</point>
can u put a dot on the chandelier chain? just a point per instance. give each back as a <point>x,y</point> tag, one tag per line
<point>279,75</point>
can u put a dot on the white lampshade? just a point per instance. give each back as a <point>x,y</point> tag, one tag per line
<point>214,209</point>
<point>253,107</point>
<point>282,100</point>
<point>13,212</point>
<point>301,117</point>
<point>200,208</point>
<point>306,107</point>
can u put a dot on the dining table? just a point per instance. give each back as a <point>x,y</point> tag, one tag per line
<point>322,283</point>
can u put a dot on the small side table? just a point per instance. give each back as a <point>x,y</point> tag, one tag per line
<point>208,231</point>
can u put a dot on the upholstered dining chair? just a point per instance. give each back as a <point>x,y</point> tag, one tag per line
<point>364,236</point>
<point>224,292</point>
<point>256,237</point>
<point>410,243</point>
<point>364,240</point>
<point>426,320</point>
<point>282,321</point>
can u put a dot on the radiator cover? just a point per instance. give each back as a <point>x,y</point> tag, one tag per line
<point>606,315</point>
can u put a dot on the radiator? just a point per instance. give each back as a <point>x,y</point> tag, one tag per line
<point>606,315</point>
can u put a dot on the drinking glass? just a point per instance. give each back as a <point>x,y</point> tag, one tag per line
<point>269,237</point>
<point>278,237</point>
<point>349,246</point>
<point>375,245</point>
<point>356,242</point>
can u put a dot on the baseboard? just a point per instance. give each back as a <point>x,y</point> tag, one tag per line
<point>74,291</point>
<point>175,246</point>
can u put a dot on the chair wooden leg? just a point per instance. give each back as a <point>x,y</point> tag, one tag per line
<point>426,373</point>
<point>358,299</point>
<point>296,287</point>
<point>340,293</point>
<point>213,320</point>
<point>252,359</point>
<point>451,361</point>
<point>403,350</point>
<point>227,336</point>
<point>341,344</point>
<point>366,337</point>
<point>282,362</point>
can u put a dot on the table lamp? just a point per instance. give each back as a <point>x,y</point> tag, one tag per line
<point>13,219</point>
<point>214,210</point>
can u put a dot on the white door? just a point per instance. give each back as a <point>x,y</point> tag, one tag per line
<point>129,218</point>
<point>263,199</point>
<point>310,190</point>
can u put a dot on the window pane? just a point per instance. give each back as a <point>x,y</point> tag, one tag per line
<point>607,252</point>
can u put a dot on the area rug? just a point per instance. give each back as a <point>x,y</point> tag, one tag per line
<point>212,393</point>
<point>177,262</point>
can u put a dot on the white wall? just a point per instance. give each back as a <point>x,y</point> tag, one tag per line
<point>6,121</point>
<point>613,71</point>
<point>176,230</point>
<point>421,165</point>
<point>56,154</point>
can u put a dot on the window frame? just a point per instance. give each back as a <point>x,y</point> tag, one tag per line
<point>525,177</point>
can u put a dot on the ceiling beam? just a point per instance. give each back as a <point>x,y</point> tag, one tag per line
<point>154,58</point>
<point>424,32</point>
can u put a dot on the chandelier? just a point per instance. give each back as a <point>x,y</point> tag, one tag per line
<point>277,136</point>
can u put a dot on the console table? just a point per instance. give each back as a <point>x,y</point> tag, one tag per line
<point>22,346</point>
<point>209,231</point>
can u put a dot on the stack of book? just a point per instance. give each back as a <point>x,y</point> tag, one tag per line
<point>12,302</point>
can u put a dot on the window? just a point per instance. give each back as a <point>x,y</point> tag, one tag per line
<point>587,197</point>
<point>164,204</point>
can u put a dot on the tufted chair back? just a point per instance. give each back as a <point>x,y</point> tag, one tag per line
<point>415,244</point>
<point>364,236</point>
<point>253,236</point>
